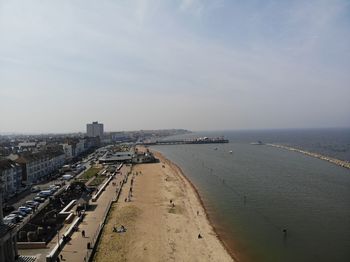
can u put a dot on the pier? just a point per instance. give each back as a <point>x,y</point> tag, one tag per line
<point>204,140</point>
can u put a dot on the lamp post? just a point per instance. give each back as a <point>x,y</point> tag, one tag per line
<point>58,232</point>
<point>58,239</point>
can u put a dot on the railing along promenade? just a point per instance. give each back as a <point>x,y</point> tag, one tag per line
<point>90,252</point>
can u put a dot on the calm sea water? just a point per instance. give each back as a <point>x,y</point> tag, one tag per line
<point>257,191</point>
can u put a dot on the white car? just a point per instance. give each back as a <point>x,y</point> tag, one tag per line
<point>18,218</point>
<point>9,220</point>
<point>67,177</point>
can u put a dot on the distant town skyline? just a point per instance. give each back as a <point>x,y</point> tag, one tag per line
<point>191,64</point>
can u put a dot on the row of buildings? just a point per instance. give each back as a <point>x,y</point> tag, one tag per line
<point>30,160</point>
<point>39,162</point>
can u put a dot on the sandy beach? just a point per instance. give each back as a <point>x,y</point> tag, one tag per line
<point>163,220</point>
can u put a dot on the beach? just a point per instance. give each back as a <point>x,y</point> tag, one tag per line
<point>164,220</point>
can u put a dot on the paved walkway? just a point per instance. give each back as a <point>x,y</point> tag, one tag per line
<point>117,207</point>
<point>76,249</point>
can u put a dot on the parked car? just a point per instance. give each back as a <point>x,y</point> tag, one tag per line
<point>59,184</point>
<point>45,193</point>
<point>42,195</point>
<point>53,188</point>
<point>35,189</point>
<point>28,210</point>
<point>18,218</point>
<point>21,213</point>
<point>67,177</point>
<point>9,220</point>
<point>39,199</point>
<point>33,203</point>
<point>30,206</point>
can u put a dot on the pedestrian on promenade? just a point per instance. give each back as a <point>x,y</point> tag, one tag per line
<point>83,233</point>
<point>61,256</point>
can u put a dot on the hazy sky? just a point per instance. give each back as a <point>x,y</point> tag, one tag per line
<point>191,64</point>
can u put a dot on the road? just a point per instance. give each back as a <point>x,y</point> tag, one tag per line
<point>27,195</point>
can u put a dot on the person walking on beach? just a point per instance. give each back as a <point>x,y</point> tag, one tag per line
<point>83,233</point>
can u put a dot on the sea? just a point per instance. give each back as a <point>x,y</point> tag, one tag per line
<point>270,204</point>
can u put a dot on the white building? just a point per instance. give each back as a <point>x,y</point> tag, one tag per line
<point>94,129</point>
<point>11,176</point>
<point>38,166</point>
<point>68,151</point>
<point>73,148</point>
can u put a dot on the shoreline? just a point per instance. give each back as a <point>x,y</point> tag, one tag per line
<point>338,162</point>
<point>163,217</point>
<point>199,199</point>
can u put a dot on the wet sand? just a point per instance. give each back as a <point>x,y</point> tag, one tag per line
<point>157,230</point>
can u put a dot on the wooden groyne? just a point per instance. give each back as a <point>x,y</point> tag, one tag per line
<point>332,160</point>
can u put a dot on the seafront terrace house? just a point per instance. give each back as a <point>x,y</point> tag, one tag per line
<point>27,146</point>
<point>11,177</point>
<point>38,166</point>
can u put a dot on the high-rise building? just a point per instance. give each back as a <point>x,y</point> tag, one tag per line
<point>94,129</point>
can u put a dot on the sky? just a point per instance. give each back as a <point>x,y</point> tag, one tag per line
<point>157,64</point>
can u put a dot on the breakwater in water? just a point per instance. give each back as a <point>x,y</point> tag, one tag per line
<point>332,160</point>
<point>256,192</point>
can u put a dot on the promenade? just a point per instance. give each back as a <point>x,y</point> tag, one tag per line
<point>76,249</point>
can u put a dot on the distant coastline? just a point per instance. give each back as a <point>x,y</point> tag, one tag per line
<point>342,163</point>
